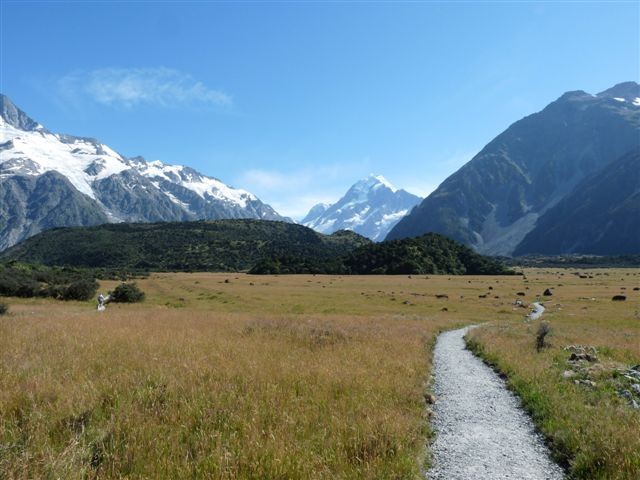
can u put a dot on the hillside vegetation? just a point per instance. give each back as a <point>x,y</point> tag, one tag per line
<point>428,254</point>
<point>263,247</point>
<point>22,280</point>
<point>222,245</point>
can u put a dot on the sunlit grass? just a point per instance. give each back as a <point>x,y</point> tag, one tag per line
<point>591,428</point>
<point>238,376</point>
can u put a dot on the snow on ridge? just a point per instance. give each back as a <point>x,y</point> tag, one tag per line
<point>385,182</point>
<point>619,99</point>
<point>636,101</point>
<point>393,217</point>
<point>82,162</point>
<point>364,210</point>
<point>373,182</point>
<point>202,185</point>
<point>69,159</point>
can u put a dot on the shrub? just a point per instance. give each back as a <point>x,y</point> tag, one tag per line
<point>83,289</point>
<point>543,330</point>
<point>126,293</point>
<point>4,308</point>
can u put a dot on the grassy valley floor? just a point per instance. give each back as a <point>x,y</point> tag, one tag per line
<point>240,376</point>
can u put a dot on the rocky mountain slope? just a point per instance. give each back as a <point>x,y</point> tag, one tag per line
<point>371,207</point>
<point>494,201</point>
<point>49,180</point>
<point>602,215</point>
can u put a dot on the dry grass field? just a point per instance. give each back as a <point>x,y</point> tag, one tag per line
<point>238,376</point>
<point>577,404</point>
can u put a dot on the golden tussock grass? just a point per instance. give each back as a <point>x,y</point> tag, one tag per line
<point>591,428</point>
<point>238,376</point>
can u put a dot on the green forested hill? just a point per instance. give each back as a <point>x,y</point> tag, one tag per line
<point>428,254</point>
<point>222,245</point>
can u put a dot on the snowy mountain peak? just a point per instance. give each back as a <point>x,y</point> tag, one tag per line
<point>15,117</point>
<point>371,207</point>
<point>317,210</point>
<point>375,181</point>
<point>115,187</point>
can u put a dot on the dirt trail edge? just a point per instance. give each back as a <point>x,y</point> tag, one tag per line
<point>481,430</point>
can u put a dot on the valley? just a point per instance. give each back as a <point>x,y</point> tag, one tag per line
<point>306,376</point>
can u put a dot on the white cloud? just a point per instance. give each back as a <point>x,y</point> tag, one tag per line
<point>129,87</point>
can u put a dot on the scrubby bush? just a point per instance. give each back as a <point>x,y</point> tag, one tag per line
<point>25,280</point>
<point>126,293</point>
<point>83,289</point>
<point>4,308</point>
<point>543,330</point>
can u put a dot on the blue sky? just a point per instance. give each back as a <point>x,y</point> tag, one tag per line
<point>296,101</point>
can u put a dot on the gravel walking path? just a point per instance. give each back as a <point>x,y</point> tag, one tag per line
<point>536,313</point>
<point>481,430</point>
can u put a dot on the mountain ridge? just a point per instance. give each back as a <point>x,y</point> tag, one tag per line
<point>494,200</point>
<point>116,188</point>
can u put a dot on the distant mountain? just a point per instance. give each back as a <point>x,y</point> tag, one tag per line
<point>601,215</point>
<point>511,187</point>
<point>371,207</point>
<point>221,245</point>
<point>49,180</point>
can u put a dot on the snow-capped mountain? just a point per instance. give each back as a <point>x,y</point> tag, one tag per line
<point>49,180</point>
<point>371,207</point>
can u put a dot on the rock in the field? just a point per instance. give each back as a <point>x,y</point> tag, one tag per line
<point>521,294</point>
<point>578,357</point>
<point>628,396</point>
<point>619,298</point>
<point>636,388</point>
<point>429,398</point>
<point>582,353</point>
<point>547,292</point>
<point>568,373</point>
<point>586,383</point>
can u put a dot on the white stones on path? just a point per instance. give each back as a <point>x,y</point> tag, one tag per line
<point>481,430</point>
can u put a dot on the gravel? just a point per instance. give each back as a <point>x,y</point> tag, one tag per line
<point>537,311</point>
<point>481,430</point>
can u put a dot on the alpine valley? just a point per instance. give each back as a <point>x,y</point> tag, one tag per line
<point>565,180</point>
<point>53,180</point>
